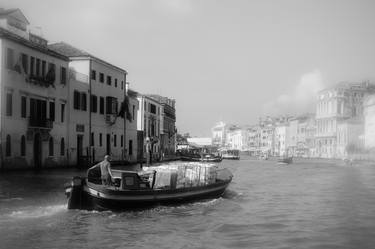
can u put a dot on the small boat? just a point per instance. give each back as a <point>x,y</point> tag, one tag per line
<point>285,160</point>
<point>231,154</point>
<point>133,190</point>
<point>203,157</point>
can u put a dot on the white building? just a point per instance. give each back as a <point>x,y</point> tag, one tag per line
<point>369,123</point>
<point>148,125</point>
<point>219,134</point>
<point>168,129</point>
<point>336,104</point>
<point>95,127</point>
<point>280,139</point>
<point>33,97</point>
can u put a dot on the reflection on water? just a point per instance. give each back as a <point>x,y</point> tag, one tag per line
<point>309,204</point>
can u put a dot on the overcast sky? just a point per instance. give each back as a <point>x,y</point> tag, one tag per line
<point>229,60</point>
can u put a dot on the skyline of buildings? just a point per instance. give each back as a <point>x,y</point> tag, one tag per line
<point>343,125</point>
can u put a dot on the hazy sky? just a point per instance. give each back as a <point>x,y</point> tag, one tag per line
<point>229,60</point>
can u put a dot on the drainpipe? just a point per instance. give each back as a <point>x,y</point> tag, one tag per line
<point>126,85</point>
<point>90,137</point>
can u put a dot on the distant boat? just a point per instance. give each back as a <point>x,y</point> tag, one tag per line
<point>285,160</point>
<point>230,154</point>
<point>138,189</point>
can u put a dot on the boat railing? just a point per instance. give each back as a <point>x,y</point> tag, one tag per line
<point>184,176</point>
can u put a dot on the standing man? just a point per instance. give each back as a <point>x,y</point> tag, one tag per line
<point>105,170</point>
<point>148,152</point>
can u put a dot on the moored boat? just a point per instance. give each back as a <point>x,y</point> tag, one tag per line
<point>230,154</point>
<point>143,189</point>
<point>285,160</point>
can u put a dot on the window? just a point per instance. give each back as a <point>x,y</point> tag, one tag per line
<point>101,77</point>
<point>23,107</point>
<point>153,108</point>
<point>83,102</point>
<point>115,82</point>
<point>62,112</point>
<point>130,147</point>
<point>62,147</point>
<point>122,141</point>
<point>76,100</point>
<point>52,111</point>
<point>92,139</point>
<point>63,75</point>
<point>10,59</point>
<point>8,146</point>
<point>122,85</point>
<point>93,74</point>
<point>32,63</point>
<point>109,80</point>
<point>133,111</point>
<point>51,74</point>
<point>50,146</point>
<point>115,140</point>
<point>25,62</point>
<point>9,102</point>
<point>100,140</point>
<point>94,104</point>
<point>43,68</point>
<point>101,105</point>
<point>111,105</point>
<point>23,146</point>
<point>37,67</point>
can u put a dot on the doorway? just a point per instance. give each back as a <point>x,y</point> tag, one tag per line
<point>79,150</point>
<point>37,151</point>
<point>108,144</point>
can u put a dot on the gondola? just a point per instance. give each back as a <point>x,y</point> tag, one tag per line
<point>285,160</point>
<point>133,190</point>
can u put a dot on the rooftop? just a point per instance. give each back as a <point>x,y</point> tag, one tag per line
<point>18,39</point>
<point>73,52</point>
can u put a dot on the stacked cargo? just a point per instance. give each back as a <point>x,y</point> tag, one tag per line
<point>184,175</point>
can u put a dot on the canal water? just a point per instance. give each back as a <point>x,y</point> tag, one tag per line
<point>307,204</point>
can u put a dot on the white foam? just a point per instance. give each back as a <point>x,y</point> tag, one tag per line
<point>37,212</point>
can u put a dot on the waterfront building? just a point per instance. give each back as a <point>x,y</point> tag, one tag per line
<point>280,139</point>
<point>369,122</point>
<point>267,139</point>
<point>349,137</point>
<point>148,125</point>
<point>96,90</point>
<point>336,104</point>
<point>253,140</point>
<point>200,141</point>
<point>33,97</point>
<point>219,134</point>
<point>167,125</point>
<point>235,137</point>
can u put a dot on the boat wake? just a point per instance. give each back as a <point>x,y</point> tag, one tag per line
<point>37,212</point>
<point>231,194</point>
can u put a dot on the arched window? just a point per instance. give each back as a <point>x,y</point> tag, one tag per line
<point>23,146</point>
<point>50,146</point>
<point>62,147</point>
<point>7,146</point>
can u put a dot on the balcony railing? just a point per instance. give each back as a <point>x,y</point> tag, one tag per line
<point>40,123</point>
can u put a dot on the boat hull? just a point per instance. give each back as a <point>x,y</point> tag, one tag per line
<point>92,198</point>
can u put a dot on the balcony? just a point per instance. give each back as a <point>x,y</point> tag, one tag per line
<point>40,123</point>
<point>110,118</point>
<point>46,81</point>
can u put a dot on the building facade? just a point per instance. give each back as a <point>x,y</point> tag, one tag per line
<point>148,126</point>
<point>33,97</point>
<point>336,104</point>
<point>96,90</point>
<point>168,130</point>
<point>369,122</point>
